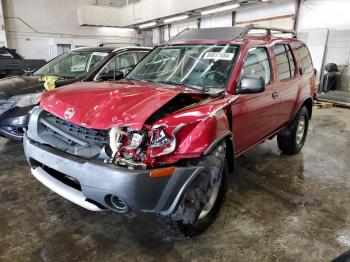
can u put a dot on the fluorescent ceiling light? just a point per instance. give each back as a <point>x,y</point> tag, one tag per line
<point>220,9</point>
<point>147,25</point>
<point>176,18</point>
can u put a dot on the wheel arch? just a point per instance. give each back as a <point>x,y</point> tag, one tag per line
<point>227,137</point>
<point>307,102</point>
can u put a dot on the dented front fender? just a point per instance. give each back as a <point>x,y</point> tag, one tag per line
<point>201,127</point>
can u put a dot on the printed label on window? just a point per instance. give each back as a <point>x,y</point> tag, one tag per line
<point>218,56</point>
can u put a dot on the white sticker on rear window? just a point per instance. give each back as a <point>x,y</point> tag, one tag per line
<point>218,56</point>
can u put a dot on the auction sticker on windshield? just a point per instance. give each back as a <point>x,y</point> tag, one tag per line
<point>218,56</point>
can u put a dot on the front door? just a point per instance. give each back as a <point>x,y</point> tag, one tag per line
<point>254,115</point>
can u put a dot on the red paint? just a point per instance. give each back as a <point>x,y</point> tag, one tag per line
<point>254,117</point>
<point>103,105</point>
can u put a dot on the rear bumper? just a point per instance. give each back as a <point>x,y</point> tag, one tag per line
<point>14,121</point>
<point>98,181</point>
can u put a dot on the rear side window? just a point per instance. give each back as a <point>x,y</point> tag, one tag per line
<point>257,64</point>
<point>284,61</point>
<point>306,62</point>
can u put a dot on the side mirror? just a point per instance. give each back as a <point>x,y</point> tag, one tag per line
<point>251,85</point>
<point>111,75</point>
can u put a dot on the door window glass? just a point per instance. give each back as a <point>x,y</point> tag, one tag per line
<point>284,61</point>
<point>141,55</point>
<point>291,61</point>
<point>257,64</point>
<point>306,62</point>
<point>121,62</point>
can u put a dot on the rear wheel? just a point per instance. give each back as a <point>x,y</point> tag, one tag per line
<point>291,140</point>
<point>202,200</point>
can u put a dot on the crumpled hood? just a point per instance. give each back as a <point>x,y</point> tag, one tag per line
<point>107,104</point>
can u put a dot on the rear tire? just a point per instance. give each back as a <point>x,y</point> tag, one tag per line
<point>292,139</point>
<point>202,200</point>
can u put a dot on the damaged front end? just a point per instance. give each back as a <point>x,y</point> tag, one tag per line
<point>126,166</point>
<point>182,128</point>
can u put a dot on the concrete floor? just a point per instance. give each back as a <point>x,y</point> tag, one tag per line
<point>278,208</point>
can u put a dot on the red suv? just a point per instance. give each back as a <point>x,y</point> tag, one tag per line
<point>164,139</point>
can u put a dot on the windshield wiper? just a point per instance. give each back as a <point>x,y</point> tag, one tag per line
<point>184,84</point>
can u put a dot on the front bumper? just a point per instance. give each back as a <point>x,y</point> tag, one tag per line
<point>14,121</point>
<point>98,181</point>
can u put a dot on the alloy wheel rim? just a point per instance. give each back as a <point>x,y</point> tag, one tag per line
<point>300,130</point>
<point>214,195</point>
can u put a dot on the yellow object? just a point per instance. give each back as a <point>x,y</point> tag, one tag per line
<point>50,82</point>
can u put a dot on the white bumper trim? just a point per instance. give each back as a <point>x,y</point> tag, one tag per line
<point>63,190</point>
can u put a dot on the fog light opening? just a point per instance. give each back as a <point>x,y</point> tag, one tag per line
<point>118,204</point>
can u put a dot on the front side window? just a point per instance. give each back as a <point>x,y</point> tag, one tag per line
<point>198,66</point>
<point>257,64</point>
<point>72,64</point>
<point>284,62</point>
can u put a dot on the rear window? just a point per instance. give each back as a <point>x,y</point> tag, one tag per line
<point>305,58</point>
<point>284,61</point>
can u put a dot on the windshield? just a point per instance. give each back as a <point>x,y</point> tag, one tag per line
<point>198,66</point>
<point>72,64</point>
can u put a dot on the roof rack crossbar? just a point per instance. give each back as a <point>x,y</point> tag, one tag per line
<point>268,30</point>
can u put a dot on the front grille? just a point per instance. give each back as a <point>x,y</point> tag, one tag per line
<point>67,131</point>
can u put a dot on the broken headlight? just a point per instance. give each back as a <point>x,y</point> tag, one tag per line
<point>136,140</point>
<point>159,138</point>
<point>26,100</point>
<point>161,142</point>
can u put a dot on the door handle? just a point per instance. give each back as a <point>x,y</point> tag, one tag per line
<point>274,95</point>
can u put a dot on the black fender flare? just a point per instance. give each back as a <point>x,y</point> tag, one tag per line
<point>230,151</point>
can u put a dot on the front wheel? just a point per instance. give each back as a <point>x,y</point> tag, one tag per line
<point>202,200</point>
<point>292,139</point>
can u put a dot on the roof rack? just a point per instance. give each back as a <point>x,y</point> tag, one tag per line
<point>225,33</point>
<point>268,30</point>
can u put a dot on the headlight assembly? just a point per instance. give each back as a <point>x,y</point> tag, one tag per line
<point>161,143</point>
<point>136,140</point>
<point>26,100</point>
<point>159,138</point>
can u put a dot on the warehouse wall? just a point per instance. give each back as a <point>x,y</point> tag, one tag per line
<point>326,24</point>
<point>279,14</point>
<point>35,27</point>
<point>149,9</point>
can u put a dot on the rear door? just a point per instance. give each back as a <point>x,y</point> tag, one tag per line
<point>307,68</point>
<point>254,115</point>
<point>288,80</point>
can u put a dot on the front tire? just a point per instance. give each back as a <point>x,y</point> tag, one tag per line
<point>202,200</point>
<point>292,139</point>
